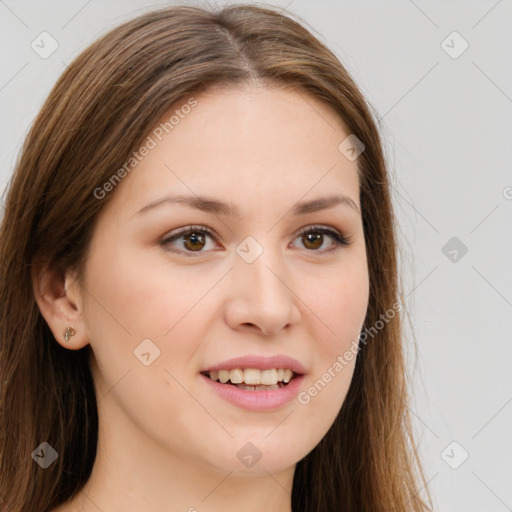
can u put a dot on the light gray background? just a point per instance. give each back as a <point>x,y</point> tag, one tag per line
<point>447,128</point>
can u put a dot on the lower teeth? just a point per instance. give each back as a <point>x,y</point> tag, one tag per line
<point>262,387</point>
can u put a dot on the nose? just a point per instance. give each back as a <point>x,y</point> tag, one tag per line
<point>261,295</point>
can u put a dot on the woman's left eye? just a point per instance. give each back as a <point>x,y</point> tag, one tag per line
<point>314,237</point>
<point>194,238</point>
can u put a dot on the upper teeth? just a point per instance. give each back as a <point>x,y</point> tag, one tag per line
<point>253,376</point>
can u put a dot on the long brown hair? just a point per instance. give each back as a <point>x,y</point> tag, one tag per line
<point>99,112</point>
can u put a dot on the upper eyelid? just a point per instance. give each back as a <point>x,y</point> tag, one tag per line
<point>186,229</point>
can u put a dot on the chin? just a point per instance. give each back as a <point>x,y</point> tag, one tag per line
<point>253,458</point>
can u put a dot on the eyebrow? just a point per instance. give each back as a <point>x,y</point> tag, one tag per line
<point>211,205</point>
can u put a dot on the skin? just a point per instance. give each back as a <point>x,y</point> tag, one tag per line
<point>166,440</point>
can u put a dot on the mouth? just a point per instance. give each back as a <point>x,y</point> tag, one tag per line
<point>253,379</point>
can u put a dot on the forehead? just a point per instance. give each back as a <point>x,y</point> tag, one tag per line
<point>242,146</point>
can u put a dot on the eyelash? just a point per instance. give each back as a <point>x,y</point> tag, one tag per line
<point>339,239</point>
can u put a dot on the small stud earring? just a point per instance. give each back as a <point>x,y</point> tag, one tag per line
<point>68,333</point>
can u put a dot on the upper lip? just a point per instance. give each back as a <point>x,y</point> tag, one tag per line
<point>260,362</point>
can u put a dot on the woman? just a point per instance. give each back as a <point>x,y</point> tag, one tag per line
<point>199,291</point>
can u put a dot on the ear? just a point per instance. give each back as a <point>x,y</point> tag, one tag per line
<point>59,298</point>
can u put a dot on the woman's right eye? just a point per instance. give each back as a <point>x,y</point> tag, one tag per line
<point>194,239</point>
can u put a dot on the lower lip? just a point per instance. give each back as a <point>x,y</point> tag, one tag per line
<point>257,400</point>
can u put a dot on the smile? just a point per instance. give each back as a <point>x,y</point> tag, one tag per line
<point>253,379</point>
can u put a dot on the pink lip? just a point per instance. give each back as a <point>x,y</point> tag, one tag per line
<point>261,363</point>
<point>257,400</point>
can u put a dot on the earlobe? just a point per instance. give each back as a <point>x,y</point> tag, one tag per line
<point>59,300</point>
<point>69,332</point>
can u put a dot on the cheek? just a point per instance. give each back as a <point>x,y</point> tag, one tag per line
<point>340,304</point>
<point>134,298</point>
<point>340,309</point>
<point>145,296</point>
<point>131,300</point>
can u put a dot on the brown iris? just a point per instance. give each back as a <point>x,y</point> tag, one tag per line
<point>313,238</point>
<point>194,241</point>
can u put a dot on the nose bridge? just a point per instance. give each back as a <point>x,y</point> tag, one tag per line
<point>262,285</point>
<point>259,265</point>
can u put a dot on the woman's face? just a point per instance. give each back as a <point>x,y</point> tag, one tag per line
<point>162,306</point>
